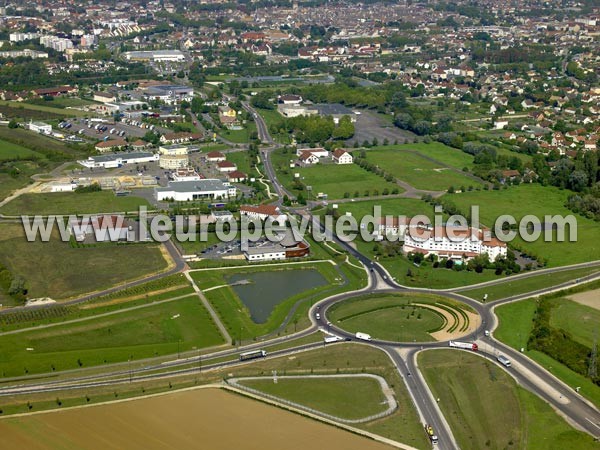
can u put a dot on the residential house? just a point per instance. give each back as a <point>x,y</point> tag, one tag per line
<point>341,156</point>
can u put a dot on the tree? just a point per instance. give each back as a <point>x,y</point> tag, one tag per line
<point>13,124</point>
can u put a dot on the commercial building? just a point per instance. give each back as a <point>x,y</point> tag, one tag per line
<point>119,159</point>
<point>184,191</point>
<point>263,212</point>
<point>155,56</point>
<point>287,247</point>
<point>173,156</point>
<point>40,127</point>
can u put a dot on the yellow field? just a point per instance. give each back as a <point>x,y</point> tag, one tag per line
<point>202,418</point>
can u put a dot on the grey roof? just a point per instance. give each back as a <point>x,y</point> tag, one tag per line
<point>272,248</point>
<point>197,185</point>
<point>334,109</point>
<point>123,155</point>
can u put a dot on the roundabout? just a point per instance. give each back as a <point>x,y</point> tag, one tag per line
<point>405,317</point>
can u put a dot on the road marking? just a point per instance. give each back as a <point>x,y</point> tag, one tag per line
<point>593,423</point>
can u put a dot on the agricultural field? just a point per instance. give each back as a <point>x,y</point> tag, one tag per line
<point>28,111</point>
<point>487,409</point>
<point>404,318</point>
<point>337,181</point>
<point>181,419</point>
<point>418,171</point>
<point>347,398</point>
<point>74,271</point>
<point>155,330</point>
<point>528,284</point>
<point>72,203</point>
<point>539,201</point>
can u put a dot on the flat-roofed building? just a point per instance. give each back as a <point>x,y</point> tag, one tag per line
<point>173,156</point>
<point>184,191</point>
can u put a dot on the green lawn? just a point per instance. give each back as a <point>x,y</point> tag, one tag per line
<point>528,284</point>
<point>418,171</point>
<point>449,156</point>
<point>57,270</point>
<point>514,327</point>
<point>390,318</point>
<point>8,151</point>
<point>152,331</point>
<point>537,200</point>
<point>239,136</point>
<point>487,409</point>
<point>43,108</point>
<point>347,398</point>
<point>408,207</point>
<point>332,179</point>
<point>242,161</point>
<point>72,203</point>
<point>582,322</point>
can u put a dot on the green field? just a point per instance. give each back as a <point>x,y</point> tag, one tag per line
<point>418,171</point>
<point>347,398</point>
<point>332,179</point>
<point>242,161</point>
<point>408,207</point>
<point>446,155</point>
<point>20,109</point>
<point>391,318</point>
<point>239,136</point>
<point>8,150</point>
<point>72,203</point>
<point>527,284</point>
<point>515,325</point>
<point>583,322</point>
<point>540,201</point>
<point>486,409</point>
<point>142,333</point>
<point>57,270</point>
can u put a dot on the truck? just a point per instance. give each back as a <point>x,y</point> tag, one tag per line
<point>330,339</point>
<point>363,336</point>
<point>431,434</point>
<point>466,345</point>
<point>253,354</point>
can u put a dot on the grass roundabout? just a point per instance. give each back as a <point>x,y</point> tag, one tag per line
<point>405,317</point>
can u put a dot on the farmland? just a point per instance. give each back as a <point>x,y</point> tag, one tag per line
<point>539,201</point>
<point>446,155</point>
<point>486,409</point>
<point>8,150</point>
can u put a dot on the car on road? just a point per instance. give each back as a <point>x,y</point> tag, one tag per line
<point>318,316</point>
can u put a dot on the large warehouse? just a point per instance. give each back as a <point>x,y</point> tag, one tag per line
<point>155,55</point>
<point>184,191</point>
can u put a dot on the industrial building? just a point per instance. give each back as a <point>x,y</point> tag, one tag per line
<point>184,191</point>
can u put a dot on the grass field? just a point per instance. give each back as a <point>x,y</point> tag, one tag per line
<point>72,203</point>
<point>331,179</point>
<point>515,325</point>
<point>8,150</point>
<point>449,156</point>
<point>540,201</point>
<point>242,161</point>
<point>239,136</point>
<point>390,318</point>
<point>418,171</point>
<point>347,398</point>
<point>152,331</point>
<point>486,409</point>
<point>582,322</point>
<point>529,284</point>
<point>21,109</point>
<point>57,270</point>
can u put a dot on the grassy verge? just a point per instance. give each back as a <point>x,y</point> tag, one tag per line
<point>486,409</point>
<point>529,284</point>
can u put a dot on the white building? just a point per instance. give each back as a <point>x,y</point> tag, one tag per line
<point>155,55</point>
<point>318,152</point>
<point>184,191</point>
<point>40,127</point>
<point>263,212</point>
<point>265,253</point>
<point>25,53</point>
<point>173,156</point>
<point>119,159</point>
<point>455,243</point>
<point>20,37</point>
<point>341,156</point>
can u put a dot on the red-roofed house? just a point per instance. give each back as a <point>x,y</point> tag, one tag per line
<point>226,166</point>
<point>263,212</point>
<point>341,156</point>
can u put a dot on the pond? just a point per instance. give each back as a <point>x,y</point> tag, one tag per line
<point>261,292</point>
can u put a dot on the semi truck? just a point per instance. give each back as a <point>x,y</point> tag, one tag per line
<point>431,434</point>
<point>363,336</point>
<point>466,345</point>
<point>253,354</point>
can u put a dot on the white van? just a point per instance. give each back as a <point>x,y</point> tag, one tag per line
<point>503,360</point>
